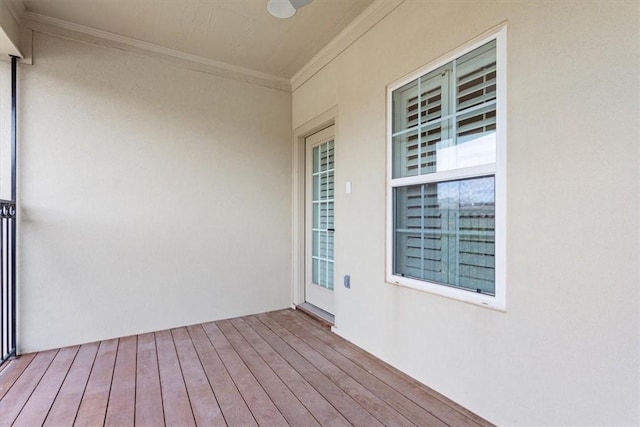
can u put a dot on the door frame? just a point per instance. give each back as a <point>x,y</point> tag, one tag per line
<point>316,294</point>
<point>298,231</point>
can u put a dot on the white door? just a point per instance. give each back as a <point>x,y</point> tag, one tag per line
<point>319,224</point>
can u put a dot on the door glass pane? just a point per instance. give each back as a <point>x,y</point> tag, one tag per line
<point>330,245</point>
<point>316,187</point>
<point>323,205</point>
<point>315,249</point>
<point>322,272</point>
<point>314,270</point>
<point>316,160</point>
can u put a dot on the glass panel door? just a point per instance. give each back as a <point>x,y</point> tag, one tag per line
<point>322,206</point>
<point>320,233</point>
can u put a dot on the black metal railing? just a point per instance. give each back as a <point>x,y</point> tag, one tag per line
<point>8,330</point>
<point>8,278</point>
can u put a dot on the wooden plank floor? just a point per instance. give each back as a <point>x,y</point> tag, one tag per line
<point>273,369</point>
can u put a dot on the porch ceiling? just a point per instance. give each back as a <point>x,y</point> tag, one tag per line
<point>236,32</point>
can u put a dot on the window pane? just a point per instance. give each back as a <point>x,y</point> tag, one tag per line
<point>445,233</point>
<point>475,143</point>
<point>476,77</point>
<point>405,154</point>
<point>476,139</point>
<point>405,106</point>
<point>434,94</point>
<point>446,119</point>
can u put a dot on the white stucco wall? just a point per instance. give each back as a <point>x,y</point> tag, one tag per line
<point>151,196</point>
<point>567,350</point>
<point>5,128</point>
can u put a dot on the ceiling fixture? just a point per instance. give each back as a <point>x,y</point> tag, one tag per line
<point>285,8</point>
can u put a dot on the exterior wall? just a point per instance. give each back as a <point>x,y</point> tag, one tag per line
<point>567,350</point>
<point>5,128</point>
<point>151,196</point>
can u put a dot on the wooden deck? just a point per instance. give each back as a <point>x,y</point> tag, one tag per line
<point>274,369</point>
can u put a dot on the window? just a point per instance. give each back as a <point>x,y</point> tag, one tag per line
<point>446,195</point>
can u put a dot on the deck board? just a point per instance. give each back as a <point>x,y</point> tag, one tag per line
<point>12,370</point>
<point>233,406</point>
<point>413,412</point>
<point>16,398</point>
<point>373,404</point>
<point>291,408</point>
<point>278,368</point>
<point>64,409</point>
<point>344,403</point>
<point>206,410</point>
<point>93,406</point>
<point>440,406</point>
<point>407,391</point>
<point>317,405</point>
<point>37,407</point>
<point>148,405</point>
<point>262,408</point>
<point>177,408</point>
<point>121,406</point>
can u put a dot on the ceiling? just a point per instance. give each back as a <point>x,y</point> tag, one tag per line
<point>236,32</point>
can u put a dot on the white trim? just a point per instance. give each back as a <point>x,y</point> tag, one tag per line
<point>501,172</point>
<point>324,120</point>
<point>10,32</point>
<point>370,17</point>
<point>315,294</point>
<point>449,56</point>
<point>450,175</point>
<point>74,31</point>
<point>497,302</point>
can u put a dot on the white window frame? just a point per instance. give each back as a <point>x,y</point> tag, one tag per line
<point>498,170</point>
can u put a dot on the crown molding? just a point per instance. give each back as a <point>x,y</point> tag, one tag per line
<point>352,32</point>
<point>377,11</point>
<point>16,9</point>
<point>59,27</point>
<point>10,32</point>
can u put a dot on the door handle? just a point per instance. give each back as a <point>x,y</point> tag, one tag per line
<point>331,229</point>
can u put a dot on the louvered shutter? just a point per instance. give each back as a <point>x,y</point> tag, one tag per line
<point>444,232</point>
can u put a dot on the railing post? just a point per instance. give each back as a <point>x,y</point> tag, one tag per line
<point>8,300</point>
<point>14,143</point>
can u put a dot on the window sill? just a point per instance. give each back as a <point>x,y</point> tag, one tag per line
<point>486,301</point>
